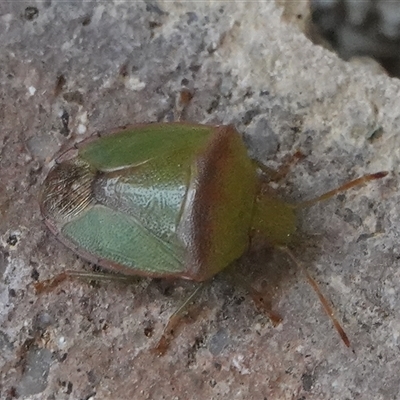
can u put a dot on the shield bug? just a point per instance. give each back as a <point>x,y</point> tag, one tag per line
<point>169,200</point>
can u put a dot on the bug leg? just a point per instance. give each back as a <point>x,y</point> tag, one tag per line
<point>263,304</point>
<point>181,103</point>
<point>170,329</point>
<point>283,170</point>
<point>356,182</point>
<point>327,307</point>
<point>258,297</point>
<point>48,285</point>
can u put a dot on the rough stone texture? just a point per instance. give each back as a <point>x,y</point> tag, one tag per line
<point>74,69</point>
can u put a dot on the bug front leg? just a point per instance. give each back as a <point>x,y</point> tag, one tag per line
<point>325,304</point>
<point>259,298</point>
<point>280,174</point>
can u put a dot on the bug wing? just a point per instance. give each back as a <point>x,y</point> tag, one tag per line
<point>134,184</point>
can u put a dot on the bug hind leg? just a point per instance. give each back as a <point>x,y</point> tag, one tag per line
<point>176,319</point>
<point>49,285</point>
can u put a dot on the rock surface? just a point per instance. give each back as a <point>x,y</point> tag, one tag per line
<point>69,70</point>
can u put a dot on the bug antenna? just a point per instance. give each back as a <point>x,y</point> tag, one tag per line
<point>356,182</point>
<point>328,309</point>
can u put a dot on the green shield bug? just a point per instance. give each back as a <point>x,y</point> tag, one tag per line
<point>171,200</point>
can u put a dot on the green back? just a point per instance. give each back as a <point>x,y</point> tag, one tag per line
<point>140,188</point>
<point>140,144</point>
<point>114,236</point>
